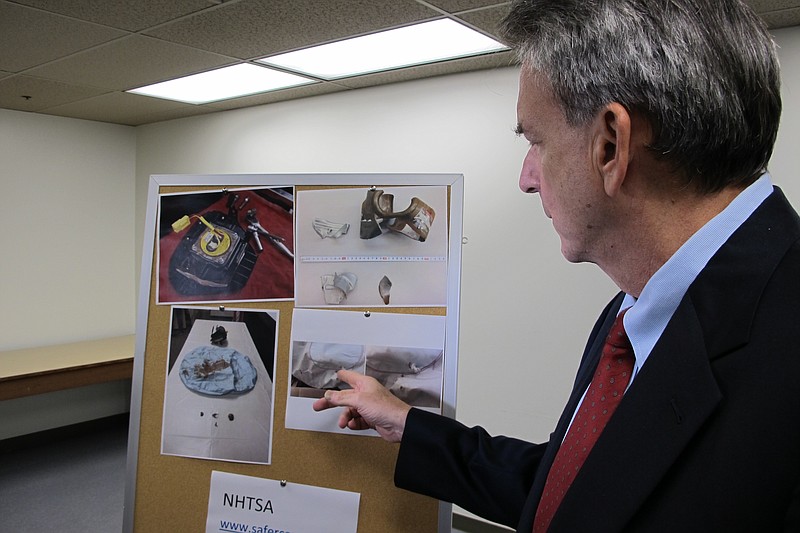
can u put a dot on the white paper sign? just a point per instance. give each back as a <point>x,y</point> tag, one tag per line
<point>248,504</point>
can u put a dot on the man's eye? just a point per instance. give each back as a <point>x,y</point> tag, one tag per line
<point>520,132</point>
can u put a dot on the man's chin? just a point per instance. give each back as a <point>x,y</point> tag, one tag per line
<point>574,256</point>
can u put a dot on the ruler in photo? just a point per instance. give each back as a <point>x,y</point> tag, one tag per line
<point>372,258</point>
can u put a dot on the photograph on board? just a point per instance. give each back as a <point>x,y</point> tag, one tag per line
<point>226,245</point>
<point>376,246</point>
<point>404,352</point>
<point>219,393</point>
<point>412,374</point>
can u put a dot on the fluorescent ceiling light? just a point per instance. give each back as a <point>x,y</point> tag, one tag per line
<point>411,45</point>
<point>223,83</point>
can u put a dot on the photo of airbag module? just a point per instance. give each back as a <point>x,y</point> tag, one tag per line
<point>233,245</point>
<point>212,257</point>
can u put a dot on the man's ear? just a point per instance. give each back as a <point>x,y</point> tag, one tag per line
<point>611,146</point>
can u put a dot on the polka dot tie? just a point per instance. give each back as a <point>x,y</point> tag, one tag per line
<point>604,394</point>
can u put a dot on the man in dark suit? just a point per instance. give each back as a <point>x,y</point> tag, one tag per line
<point>650,125</point>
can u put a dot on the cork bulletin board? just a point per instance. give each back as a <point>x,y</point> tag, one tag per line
<point>169,491</point>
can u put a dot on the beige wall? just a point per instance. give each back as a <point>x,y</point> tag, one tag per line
<point>67,213</point>
<point>68,261</point>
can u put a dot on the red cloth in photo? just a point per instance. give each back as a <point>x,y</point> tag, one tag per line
<point>273,274</point>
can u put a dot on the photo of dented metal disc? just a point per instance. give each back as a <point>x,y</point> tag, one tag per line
<point>315,363</point>
<point>216,371</point>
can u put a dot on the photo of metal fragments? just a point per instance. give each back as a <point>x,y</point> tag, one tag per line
<point>384,286</point>
<point>401,246</point>
<point>377,213</point>
<point>327,229</point>
<point>336,286</point>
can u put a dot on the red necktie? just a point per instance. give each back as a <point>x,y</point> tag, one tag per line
<point>604,394</point>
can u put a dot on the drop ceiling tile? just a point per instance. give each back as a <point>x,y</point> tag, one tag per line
<point>130,62</point>
<point>454,6</point>
<point>495,60</point>
<point>170,114</point>
<point>29,37</point>
<point>126,108</point>
<point>763,6</point>
<point>132,16</point>
<point>27,93</point>
<point>255,28</point>
<point>487,20</point>
<point>782,19</point>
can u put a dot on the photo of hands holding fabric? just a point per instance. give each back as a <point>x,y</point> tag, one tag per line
<point>403,352</point>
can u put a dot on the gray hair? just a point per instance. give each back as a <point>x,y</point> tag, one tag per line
<point>703,72</point>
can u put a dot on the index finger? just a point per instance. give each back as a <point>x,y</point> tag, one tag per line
<point>350,377</point>
<point>321,404</point>
<point>332,398</point>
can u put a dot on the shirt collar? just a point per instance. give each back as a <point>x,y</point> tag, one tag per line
<point>650,313</point>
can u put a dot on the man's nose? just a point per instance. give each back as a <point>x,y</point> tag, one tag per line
<point>531,173</point>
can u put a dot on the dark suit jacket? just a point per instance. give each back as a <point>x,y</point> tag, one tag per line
<point>706,439</point>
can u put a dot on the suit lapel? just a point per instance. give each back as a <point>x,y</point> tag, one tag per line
<point>675,392</point>
<point>669,401</point>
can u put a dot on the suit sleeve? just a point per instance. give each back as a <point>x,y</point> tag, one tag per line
<point>488,476</point>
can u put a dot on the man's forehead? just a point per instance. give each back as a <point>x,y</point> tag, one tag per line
<point>533,94</point>
<point>533,83</point>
